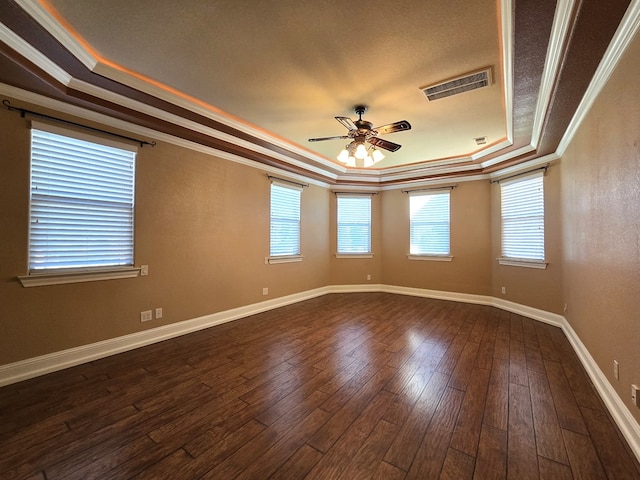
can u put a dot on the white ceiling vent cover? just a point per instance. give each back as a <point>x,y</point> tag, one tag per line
<point>470,81</point>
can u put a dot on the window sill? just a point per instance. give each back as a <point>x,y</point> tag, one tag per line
<point>519,262</point>
<point>283,259</point>
<point>354,255</point>
<point>60,278</point>
<point>432,258</point>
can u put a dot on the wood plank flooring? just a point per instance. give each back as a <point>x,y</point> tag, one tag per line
<point>348,386</point>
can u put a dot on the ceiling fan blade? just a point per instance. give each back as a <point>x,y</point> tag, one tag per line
<point>347,122</point>
<point>385,144</point>
<point>327,138</point>
<point>393,127</point>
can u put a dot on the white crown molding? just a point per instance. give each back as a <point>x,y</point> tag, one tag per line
<point>25,49</point>
<point>492,149</point>
<point>622,38</point>
<point>507,62</point>
<point>330,169</point>
<point>435,182</point>
<point>60,33</point>
<point>33,367</point>
<point>523,167</point>
<point>191,125</point>
<point>559,32</point>
<point>507,156</point>
<point>200,108</point>
<point>79,112</point>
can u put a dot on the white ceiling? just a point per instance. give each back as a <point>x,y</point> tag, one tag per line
<point>289,66</point>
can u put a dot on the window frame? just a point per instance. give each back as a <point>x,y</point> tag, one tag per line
<point>354,254</point>
<point>62,274</point>
<point>433,255</point>
<point>537,179</point>
<point>289,256</point>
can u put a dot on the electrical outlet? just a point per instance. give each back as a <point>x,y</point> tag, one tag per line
<point>504,290</point>
<point>635,393</point>
<point>265,291</point>
<point>616,370</point>
<point>368,277</point>
<point>146,316</point>
<point>144,270</point>
<point>159,312</point>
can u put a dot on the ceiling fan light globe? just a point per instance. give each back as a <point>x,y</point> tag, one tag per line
<point>377,155</point>
<point>368,161</point>
<point>343,156</point>
<point>351,161</point>
<point>361,151</point>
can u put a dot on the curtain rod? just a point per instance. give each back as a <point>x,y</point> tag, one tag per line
<point>521,173</point>
<point>24,112</point>
<point>449,187</point>
<point>303,185</point>
<point>354,193</point>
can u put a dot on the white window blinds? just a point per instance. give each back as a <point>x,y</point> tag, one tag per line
<point>354,224</point>
<point>523,217</point>
<point>429,223</point>
<point>285,219</point>
<point>82,200</point>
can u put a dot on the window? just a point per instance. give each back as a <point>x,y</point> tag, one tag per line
<point>523,218</point>
<point>354,224</point>
<point>429,224</point>
<point>81,202</point>
<point>285,220</point>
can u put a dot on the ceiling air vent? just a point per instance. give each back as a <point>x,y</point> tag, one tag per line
<point>458,85</point>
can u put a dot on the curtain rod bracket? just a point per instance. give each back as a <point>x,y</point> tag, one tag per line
<point>24,112</point>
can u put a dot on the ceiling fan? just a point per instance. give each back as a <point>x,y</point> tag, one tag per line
<point>363,132</point>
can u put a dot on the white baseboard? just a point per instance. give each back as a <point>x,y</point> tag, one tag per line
<point>627,424</point>
<point>33,367</point>
<point>41,365</point>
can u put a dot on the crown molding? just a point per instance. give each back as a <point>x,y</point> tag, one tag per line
<point>27,51</point>
<point>41,15</point>
<point>624,35</point>
<point>560,30</point>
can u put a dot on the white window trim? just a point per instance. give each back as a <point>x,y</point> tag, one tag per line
<point>79,275</point>
<point>43,279</point>
<point>433,258</point>
<point>354,255</point>
<point>283,259</point>
<point>520,262</point>
<point>368,254</point>
<point>515,261</point>
<point>286,258</point>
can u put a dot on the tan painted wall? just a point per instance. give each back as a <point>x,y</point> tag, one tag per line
<point>470,269</point>
<point>202,226</point>
<point>527,286</point>
<point>601,216</point>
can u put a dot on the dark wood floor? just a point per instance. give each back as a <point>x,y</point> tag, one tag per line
<point>343,386</point>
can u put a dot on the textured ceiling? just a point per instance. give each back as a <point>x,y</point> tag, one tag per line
<point>289,66</point>
<point>252,81</point>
